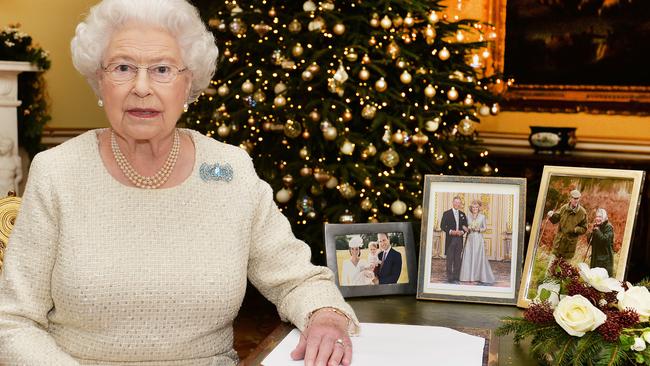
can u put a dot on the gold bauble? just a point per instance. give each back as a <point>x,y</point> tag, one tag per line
<point>397,137</point>
<point>287,180</point>
<point>330,133</point>
<point>311,215</point>
<point>405,77</point>
<point>466,127</point>
<point>432,17</point>
<point>444,54</point>
<point>417,213</point>
<point>347,148</point>
<point>227,52</point>
<point>237,27</point>
<point>306,135</point>
<point>398,21</point>
<point>321,176</point>
<point>314,68</point>
<point>280,101</point>
<point>309,6</point>
<point>347,115</point>
<point>369,151</point>
<point>468,99</point>
<point>247,87</point>
<point>452,94</point>
<point>280,88</point>
<point>223,130</point>
<point>352,56</point>
<point>283,195</point>
<point>223,90</point>
<point>307,75</point>
<point>304,153</point>
<point>432,125</point>
<point>332,183</point>
<point>374,22</point>
<point>401,63</point>
<point>429,34</point>
<point>259,96</point>
<point>364,74</point>
<point>367,182</point>
<point>393,49</point>
<point>372,41</point>
<point>314,115</point>
<point>368,111</point>
<point>366,204</point>
<point>338,29</point>
<point>429,91</point>
<point>486,169</point>
<point>272,13</point>
<point>266,126</point>
<point>297,50</point>
<point>390,158</point>
<point>494,110</point>
<point>365,59</point>
<point>305,171</point>
<point>261,29</point>
<point>295,26</point>
<point>251,120</point>
<point>484,110</point>
<point>409,21</point>
<point>381,85</point>
<point>420,139</point>
<point>347,191</point>
<point>398,207</point>
<point>292,129</point>
<point>385,22</point>
<point>440,158</point>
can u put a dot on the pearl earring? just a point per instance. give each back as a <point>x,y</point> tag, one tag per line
<point>186,107</point>
<point>100,103</point>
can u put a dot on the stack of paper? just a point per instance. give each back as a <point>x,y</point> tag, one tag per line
<point>395,344</point>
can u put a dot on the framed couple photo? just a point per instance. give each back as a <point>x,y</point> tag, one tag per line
<point>372,259</point>
<point>584,215</point>
<point>471,245</point>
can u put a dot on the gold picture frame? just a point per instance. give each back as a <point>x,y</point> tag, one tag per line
<point>614,190</point>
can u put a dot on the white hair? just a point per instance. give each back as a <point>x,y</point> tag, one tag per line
<point>198,49</point>
<point>603,213</point>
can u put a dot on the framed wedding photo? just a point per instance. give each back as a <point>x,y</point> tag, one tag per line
<point>471,245</point>
<point>372,259</point>
<point>584,215</point>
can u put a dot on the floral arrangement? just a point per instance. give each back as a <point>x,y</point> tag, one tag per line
<point>33,113</point>
<point>581,316</point>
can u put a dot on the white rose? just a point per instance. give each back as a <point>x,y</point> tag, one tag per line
<point>646,336</point>
<point>599,279</point>
<point>639,344</point>
<point>553,288</point>
<point>576,315</point>
<point>636,298</point>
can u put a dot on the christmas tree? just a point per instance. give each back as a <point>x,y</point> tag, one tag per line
<point>344,106</point>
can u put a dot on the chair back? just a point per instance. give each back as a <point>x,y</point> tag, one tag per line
<point>8,211</point>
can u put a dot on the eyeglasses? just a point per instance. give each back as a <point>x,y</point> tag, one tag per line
<point>122,72</point>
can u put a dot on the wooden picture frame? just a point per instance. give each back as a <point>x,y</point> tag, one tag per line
<point>616,191</point>
<point>371,277</point>
<point>487,267</point>
<point>577,56</point>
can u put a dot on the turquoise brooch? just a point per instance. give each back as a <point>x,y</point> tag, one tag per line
<point>216,172</point>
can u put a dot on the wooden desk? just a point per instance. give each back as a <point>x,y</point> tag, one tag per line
<point>408,310</point>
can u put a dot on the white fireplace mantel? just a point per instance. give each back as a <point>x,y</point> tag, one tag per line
<point>9,102</point>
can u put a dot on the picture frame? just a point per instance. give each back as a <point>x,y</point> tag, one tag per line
<point>371,275</point>
<point>574,56</point>
<point>614,190</point>
<point>485,266</point>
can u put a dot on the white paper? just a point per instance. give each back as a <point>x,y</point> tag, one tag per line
<point>395,344</point>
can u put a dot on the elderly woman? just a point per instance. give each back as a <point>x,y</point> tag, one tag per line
<point>475,266</point>
<point>134,243</point>
<point>601,239</point>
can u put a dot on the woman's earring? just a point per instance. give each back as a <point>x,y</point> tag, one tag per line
<point>185,107</point>
<point>100,103</point>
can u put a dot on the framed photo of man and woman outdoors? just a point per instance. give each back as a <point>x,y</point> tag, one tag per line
<point>472,239</point>
<point>372,259</point>
<point>584,215</point>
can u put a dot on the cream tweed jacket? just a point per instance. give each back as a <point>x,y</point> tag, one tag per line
<point>98,273</point>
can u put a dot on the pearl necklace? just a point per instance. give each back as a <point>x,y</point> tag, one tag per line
<point>140,181</point>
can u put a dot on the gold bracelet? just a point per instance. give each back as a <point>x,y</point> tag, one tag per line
<point>333,310</point>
